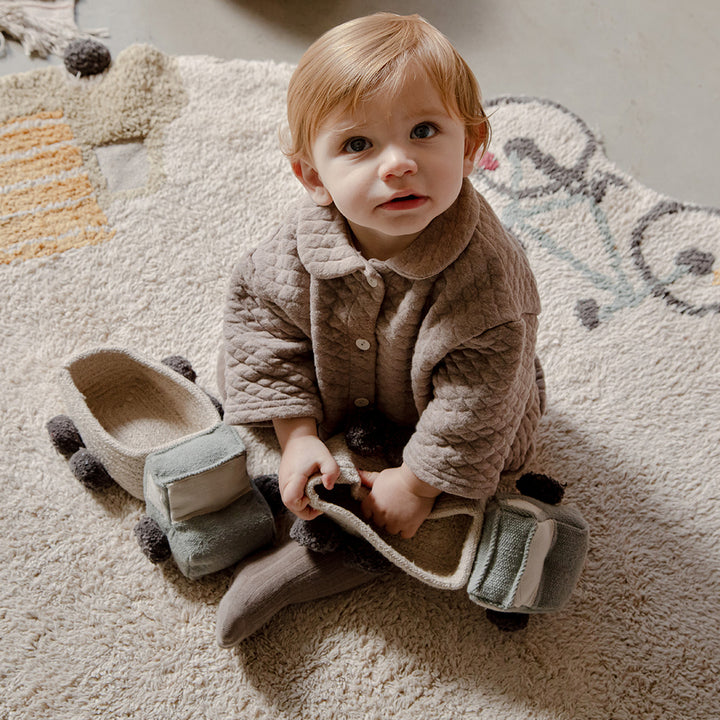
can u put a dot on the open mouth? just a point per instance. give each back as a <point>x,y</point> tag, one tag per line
<point>406,202</point>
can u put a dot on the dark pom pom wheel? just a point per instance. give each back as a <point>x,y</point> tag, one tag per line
<point>83,464</point>
<point>508,621</point>
<point>64,435</point>
<point>268,487</point>
<point>180,365</point>
<point>183,366</point>
<point>152,540</point>
<point>368,433</point>
<point>541,487</point>
<point>89,470</point>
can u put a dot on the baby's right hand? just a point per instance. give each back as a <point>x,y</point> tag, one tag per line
<point>304,456</point>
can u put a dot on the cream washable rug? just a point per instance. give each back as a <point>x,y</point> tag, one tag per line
<point>124,202</point>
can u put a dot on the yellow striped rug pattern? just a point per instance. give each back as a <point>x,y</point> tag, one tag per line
<point>47,202</point>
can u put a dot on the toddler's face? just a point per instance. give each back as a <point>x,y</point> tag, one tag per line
<point>391,167</point>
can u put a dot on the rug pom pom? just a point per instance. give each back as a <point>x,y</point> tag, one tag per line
<point>86,57</point>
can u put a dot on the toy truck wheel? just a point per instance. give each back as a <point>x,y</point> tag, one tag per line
<point>183,366</point>
<point>541,487</point>
<point>89,470</point>
<point>507,621</point>
<point>152,540</point>
<point>64,435</point>
<point>180,365</point>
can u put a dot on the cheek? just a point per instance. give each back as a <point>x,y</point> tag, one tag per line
<point>452,169</point>
<point>348,186</point>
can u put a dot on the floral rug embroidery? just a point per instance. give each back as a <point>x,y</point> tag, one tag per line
<point>635,255</point>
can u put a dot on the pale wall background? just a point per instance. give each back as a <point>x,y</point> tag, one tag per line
<point>645,74</point>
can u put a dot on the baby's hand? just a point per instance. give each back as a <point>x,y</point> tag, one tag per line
<point>398,500</point>
<point>303,456</point>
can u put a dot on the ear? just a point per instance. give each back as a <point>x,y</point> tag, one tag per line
<point>311,181</point>
<point>475,139</point>
<point>471,148</point>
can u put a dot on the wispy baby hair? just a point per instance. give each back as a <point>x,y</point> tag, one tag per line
<point>350,62</point>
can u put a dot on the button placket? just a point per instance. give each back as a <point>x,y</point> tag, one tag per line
<point>361,328</point>
<point>372,277</point>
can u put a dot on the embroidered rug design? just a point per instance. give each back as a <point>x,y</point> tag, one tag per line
<point>47,204</point>
<point>55,168</point>
<point>125,200</point>
<point>531,182</point>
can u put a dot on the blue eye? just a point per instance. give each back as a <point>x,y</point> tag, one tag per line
<point>356,145</point>
<point>423,131</point>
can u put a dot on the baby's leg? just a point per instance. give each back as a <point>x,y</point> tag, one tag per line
<point>282,576</point>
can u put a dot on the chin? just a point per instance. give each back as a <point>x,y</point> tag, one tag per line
<point>410,226</point>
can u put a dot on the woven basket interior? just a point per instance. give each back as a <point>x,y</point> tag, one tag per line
<point>141,408</point>
<point>437,546</point>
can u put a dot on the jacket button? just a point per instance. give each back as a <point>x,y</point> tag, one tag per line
<point>361,402</point>
<point>362,344</point>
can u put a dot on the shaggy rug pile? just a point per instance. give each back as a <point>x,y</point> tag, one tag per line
<point>125,199</point>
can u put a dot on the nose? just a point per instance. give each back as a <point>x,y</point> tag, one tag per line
<point>396,161</point>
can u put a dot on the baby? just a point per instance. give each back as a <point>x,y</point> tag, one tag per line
<point>393,287</point>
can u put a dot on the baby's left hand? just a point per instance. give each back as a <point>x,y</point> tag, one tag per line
<point>398,500</point>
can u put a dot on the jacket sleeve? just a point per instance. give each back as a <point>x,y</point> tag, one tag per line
<point>269,369</point>
<point>467,434</point>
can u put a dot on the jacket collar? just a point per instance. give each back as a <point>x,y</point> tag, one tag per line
<point>326,250</point>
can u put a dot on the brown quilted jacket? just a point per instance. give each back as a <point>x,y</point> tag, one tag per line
<point>441,337</point>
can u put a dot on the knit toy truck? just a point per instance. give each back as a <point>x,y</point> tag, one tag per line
<point>201,506</point>
<point>530,555</point>
<point>519,555</point>
<point>148,427</point>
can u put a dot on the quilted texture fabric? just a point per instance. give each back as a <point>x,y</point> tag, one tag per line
<point>441,337</point>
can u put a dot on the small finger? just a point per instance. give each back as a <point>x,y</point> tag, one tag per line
<point>377,517</point>
<point>330,472</point>
<point>308,513</point>
<point>367,477</point>
<point>294,491</point>
<point>367,507</point>
<point>408,533</point>
<point>393,527</point>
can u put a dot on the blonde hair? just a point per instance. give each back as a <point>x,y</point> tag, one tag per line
<point>350,62</point>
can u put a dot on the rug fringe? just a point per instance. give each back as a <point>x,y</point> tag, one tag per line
<point>42,27</point>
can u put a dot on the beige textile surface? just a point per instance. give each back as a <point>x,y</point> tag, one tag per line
<point>125,200</point>
<point>442,551</point>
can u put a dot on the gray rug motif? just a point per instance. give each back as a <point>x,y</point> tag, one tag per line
<point>533,184</point>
